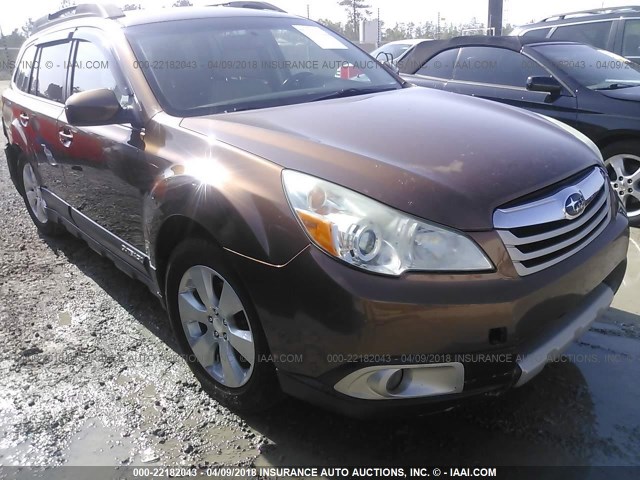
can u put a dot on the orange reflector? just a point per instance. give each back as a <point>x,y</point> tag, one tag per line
<point>319,229</point>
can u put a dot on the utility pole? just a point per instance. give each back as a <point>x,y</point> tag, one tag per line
<point>308,11</point>
<point>356,29</point>
<point>379,42</point>
<point>6,49</point>
<point>496,8</point>
<point>439,31</point>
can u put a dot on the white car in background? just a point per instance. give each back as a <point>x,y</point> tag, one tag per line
<point>397,49</point>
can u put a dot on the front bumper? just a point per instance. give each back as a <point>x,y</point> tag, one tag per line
<point>325,320</point>
<point>550,347</point>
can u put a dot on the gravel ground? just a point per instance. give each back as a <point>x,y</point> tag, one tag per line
<point>89,376</point>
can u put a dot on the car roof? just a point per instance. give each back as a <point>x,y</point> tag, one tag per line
<point>141,17</point>
<point>407,41</point>
<point>426,50</point>
<point>585,16</point>
<point>107,14</point>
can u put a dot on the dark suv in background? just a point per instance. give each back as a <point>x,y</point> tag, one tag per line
<point>616,29</point>
<point>312,223</point>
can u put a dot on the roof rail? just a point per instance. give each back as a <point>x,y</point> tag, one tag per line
<point>254,5</point>
<point>79,11</point>
<point>596,11</point>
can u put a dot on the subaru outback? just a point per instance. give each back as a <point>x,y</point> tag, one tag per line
<point>312,224</point>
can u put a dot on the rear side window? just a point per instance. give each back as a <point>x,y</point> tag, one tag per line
<point>594,33</point>
<point>440,66</point>
<point>495,66</point>
<point>631,40</point>
<point>24,68</point>
<point>538,33</point>
<point>52,72</point>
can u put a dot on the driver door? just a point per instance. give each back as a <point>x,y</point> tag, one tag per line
<point>108,177</point>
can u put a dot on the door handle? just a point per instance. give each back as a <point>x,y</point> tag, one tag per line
<point>66,137</point>
<point>24,119</point>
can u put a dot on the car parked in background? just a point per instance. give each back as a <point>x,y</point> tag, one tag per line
<point>592,90</point>
<point>394,51</point>
<point>350,239</point>
<point>616,29</point>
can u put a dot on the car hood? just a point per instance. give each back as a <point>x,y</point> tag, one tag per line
<point>447,158</point>
<point>631,93</point>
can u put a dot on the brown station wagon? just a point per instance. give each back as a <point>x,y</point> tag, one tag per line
<point>313,224</point>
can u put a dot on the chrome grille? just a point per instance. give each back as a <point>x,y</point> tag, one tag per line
<point>540,233</point>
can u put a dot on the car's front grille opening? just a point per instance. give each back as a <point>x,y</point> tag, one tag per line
<point>538,235</point>
<point>571,234</point>
<point>567,250</point>
<point>529,231</point>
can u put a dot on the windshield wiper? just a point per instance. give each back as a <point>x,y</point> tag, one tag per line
<point>617,86</point>
<point>352,92</point>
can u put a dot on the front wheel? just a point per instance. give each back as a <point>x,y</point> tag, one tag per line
<point>217,328</point>
<point>622,160</point>
<point>34,200</point>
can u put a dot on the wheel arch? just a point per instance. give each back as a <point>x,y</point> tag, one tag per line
<point>13,153</point>
<point>615,138</point>
<point>174,230</point>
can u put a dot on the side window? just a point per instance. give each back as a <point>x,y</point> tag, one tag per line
<point>440,66</point>
<point>52,72</point>
<point>23,69</point>
<point>91,70</point>
<point>631,40</point>
<point>594,33</point>
<point>496,66</point>
<point>538,33</point>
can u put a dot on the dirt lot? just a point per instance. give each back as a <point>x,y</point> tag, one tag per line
<point>89,376</point>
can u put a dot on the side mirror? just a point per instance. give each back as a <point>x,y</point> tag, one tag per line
<point>384,57</point>
<point>544,84</point>
<point>94,108</point>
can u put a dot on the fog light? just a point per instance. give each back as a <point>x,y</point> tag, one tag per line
<point>384,382</point>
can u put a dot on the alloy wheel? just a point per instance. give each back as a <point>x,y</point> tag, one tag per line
<point>624,173</point>
<point>33,193</point>
<point>216,326</point>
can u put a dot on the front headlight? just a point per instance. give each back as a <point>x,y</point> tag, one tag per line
<point>372,236</point>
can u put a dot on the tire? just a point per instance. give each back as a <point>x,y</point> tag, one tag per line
<point>208,307</point>
<point>36,206</point>
<point>622,160</point>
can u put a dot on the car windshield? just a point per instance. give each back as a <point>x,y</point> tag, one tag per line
<point>217,65</point>
<point>594,68</point>
<point>396,51</point>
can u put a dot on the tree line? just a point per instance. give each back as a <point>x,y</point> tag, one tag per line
<point>358,10</point>
<point>355,12</point>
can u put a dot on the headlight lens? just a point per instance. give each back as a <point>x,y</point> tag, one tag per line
<point>372,236</point>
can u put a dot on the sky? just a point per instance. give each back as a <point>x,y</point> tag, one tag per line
<point>391,11</point>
